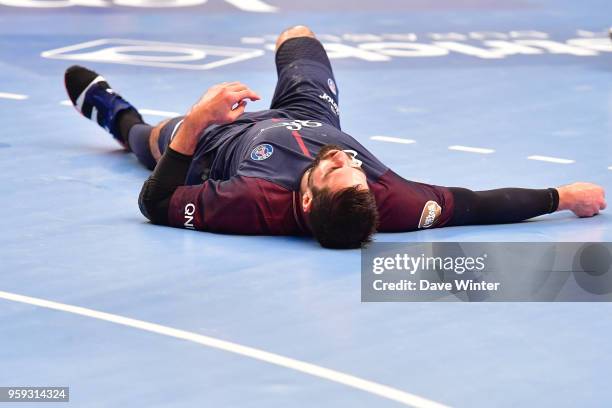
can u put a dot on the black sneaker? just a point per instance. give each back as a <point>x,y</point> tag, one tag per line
<point>93,97</point>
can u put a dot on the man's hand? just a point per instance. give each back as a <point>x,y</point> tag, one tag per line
<point>583,199</point>
<point>221,104</point>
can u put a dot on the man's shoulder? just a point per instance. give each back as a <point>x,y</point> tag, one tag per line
<point>270,201</point>
<point>261,190</point>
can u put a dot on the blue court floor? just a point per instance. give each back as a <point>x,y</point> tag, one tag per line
<point>478,94</point>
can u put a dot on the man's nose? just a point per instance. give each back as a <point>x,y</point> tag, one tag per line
<point>340,158</point>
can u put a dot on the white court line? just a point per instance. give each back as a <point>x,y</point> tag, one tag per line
<point>381,390</point>
<point>256,6</point>
<point>252,40</point>
<point>392,139</point>
<point>551,159</point>
<point>145,111</point>
<point>18,97</point>
<point>481,150</point>
<point>159,113</point>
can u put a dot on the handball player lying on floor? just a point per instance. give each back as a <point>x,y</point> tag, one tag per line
<point>290,170</point>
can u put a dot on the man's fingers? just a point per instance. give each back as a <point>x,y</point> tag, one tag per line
<point>239,91</point>
<point>236,105</point>
<point>245,94</point>
<point>235,86</point>
<point>230,86</point>
<point>238,87</point>
<point>238,110</point>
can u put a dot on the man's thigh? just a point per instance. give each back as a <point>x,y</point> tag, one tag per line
<point>306,87</point>
<point>163,135</point>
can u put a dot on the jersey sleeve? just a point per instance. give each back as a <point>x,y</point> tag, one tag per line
<point>502,205</point>
<point>241,205</point>
<point>405,205</point>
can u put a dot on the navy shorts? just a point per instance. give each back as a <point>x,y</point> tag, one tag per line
<point>167,132</point>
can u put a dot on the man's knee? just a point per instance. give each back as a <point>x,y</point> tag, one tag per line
<point>154,140</point>
<point>294,32</point>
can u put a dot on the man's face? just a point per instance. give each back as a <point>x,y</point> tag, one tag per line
<point>335,169</point>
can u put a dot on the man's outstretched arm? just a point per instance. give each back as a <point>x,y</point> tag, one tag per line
<point>407,205</point>
<point>509,205</point>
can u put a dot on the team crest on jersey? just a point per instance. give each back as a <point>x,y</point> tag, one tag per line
<point>430,215</point>
<point>332,85</point>
<point>262,152</point>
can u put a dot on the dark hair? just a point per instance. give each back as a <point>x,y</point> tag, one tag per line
<point>343,219</point>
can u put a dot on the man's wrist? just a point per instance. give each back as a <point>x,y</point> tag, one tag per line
<point>197,121</point>
<point>188,134</point>
<point>563,198</point>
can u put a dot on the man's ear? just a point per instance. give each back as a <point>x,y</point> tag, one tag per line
<point>307,201</point>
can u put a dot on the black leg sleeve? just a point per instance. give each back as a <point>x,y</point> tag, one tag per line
<point>169,174</point>
<point>504,205</point>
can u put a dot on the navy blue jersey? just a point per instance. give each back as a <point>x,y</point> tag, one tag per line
<point>280,149</point>
<point>245,176</point>
<point>254,180</point>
